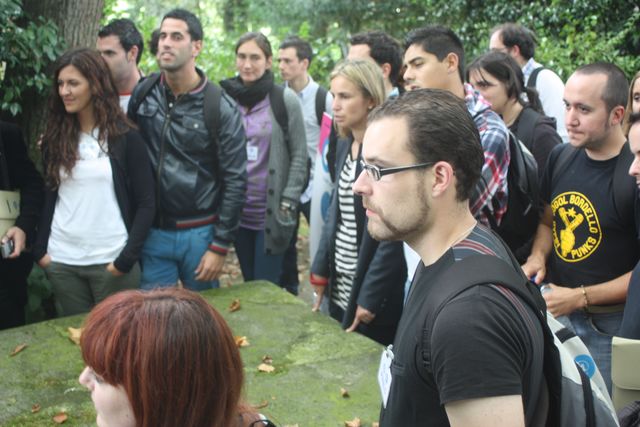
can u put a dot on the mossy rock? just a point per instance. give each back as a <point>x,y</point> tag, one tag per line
<point>313,359</point>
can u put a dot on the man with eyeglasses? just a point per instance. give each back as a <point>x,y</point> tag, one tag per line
<point>483,362</point>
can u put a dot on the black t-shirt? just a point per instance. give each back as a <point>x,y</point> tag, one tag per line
<point>592,242</point>
<point>480,346</point>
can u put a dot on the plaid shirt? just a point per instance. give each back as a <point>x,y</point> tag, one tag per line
<point>491,190</point>
<point>528,69</point>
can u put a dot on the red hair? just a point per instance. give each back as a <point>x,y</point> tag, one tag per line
<point>173,354</point>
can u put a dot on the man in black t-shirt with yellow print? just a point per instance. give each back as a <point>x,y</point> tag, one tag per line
<point>587,242</point>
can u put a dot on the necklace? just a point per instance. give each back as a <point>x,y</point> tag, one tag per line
<point>464,234</point>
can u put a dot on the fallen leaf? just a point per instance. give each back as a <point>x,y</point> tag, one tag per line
<point>263,367</point>
<point>241,342</point>
<point>375,424</point>
<point>261,405</point>
<point>353,423</point>
<point>18,349</point>
<point>60,418</point>
<point>267,359</point>
<point>74,335</point>
<point>235,305</point>
<point>35,408</point>
<point>344,392</point>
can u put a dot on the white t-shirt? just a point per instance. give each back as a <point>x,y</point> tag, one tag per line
<point>87,226</point>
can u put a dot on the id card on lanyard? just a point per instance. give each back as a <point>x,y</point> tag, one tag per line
<point>384,373</point>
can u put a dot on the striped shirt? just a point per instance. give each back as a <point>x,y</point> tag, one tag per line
<point>346,256</point>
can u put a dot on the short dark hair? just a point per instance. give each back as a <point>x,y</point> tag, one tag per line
<point>517,35</point>
<point>302,47</point>
<point>506,70</point>
<point>261,40</point>
<point>440,41</point>
<point>153,41</point>
<point>616,90</point>
<point>634,118</point>
<point>194,25</point>
<point>440,129</point>
<point>384,49</point>
<point>126,32</point>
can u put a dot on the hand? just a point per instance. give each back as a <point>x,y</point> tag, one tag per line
<point>362,315</point>
<point>319,295</point>
<point>19,240</point>
<point>210,266</point>
<point>535,269</point>
<point>111,268</point>
<point>562,301</point>
<point>44,261</point>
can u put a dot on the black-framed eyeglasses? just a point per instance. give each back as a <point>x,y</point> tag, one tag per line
<point>376,172</point>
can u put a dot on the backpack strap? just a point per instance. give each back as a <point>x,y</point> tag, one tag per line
<point>526,123</point>
<point>276,99</point>
<point>146,83</point>
<point>321,102</point>
<point>211,106</point>
<point>623,186</point>
<point>533,78</point>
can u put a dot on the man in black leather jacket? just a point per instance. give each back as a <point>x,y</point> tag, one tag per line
<point>200,178</point>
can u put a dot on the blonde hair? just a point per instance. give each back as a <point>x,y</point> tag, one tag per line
<point>366,76</point>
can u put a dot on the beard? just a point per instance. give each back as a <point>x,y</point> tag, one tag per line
<point>407,226</point>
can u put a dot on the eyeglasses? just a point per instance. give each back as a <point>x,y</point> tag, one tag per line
<point>376,172</point>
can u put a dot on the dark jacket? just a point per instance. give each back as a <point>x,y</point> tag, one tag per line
<point>197,178</point>
<point>22,176</point>
<point>381,272</point>
<point>133,184</point>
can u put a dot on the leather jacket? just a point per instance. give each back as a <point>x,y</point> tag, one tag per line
<point>198,181</point>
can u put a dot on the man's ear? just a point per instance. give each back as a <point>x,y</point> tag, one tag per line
<point>442,178</point>
<point>386,70</point>
<point>451,61</point>
<point>196,48</point>
<point>305,63</point>
<point>132,55</point>
<point>616,115</point>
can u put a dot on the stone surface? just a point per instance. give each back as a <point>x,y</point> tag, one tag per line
<point>312,356</point>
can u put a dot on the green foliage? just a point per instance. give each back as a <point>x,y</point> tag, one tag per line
<point>26,50</point>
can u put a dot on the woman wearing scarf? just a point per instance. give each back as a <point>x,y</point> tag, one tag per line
<point>277,160</point>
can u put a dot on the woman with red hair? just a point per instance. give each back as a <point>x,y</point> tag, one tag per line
<point>163,358</point>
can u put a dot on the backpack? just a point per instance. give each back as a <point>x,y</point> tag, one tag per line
<point>321,102</point>
<point>623,185</point>
<point>574,398</point>
<point>533,77</point>
<point>520,221</point>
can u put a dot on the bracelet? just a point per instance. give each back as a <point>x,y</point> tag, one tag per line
<point>586,298</point>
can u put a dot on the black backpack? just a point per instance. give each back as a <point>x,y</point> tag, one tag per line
<point>533,77</point>
<point>520,221</point>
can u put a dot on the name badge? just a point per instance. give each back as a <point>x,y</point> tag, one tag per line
<point>384,373</point>
<point>252,154</point>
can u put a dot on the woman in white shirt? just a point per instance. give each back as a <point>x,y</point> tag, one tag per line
<point>99,202</point>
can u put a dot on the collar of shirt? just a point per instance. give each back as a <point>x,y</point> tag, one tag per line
<point>309,89</point>
<point>529,67</point>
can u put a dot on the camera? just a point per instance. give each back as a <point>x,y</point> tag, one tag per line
<point>6,248</point>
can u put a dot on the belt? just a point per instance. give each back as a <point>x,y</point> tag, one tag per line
<point>603,309</point>
<point>164,222</point>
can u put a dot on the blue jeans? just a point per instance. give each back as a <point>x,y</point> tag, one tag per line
<point>596,331</point>
<point>169,255</point>
<point>254,262</point>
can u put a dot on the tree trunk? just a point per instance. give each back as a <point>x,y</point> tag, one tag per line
<point>78,23</point>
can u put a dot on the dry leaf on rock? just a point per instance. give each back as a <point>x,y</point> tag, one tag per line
<point>35,408</point>
<point>267,359</point>
<point>263,367</point>
<point>60,418</point>
<point>18,349</point>
<point>344,392</point>
<point>241,342</point>
<point>262,404</point>
<point>375,424</point>
<point>235,305</point>
<point>353,423</point>
<point>74,335</point>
